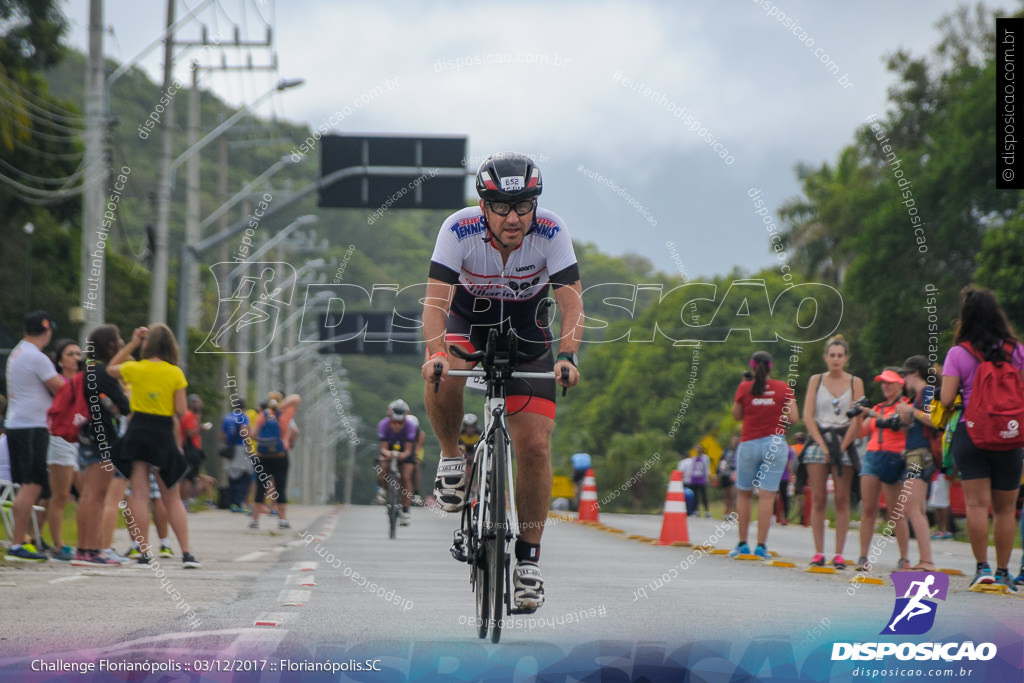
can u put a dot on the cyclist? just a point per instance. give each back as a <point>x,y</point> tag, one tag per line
<point>491,267</point>
<point>398,439</point>
<point>469,436</point>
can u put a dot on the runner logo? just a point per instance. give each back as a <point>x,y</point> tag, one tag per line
<point>914,613</point>
<point>253,294</point>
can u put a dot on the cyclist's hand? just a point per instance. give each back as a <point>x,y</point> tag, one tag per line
<point>574,374</point>
<point>427,371</point>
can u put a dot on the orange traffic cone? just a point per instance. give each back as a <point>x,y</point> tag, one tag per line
<point>673,524</point>
<point>588,499</point>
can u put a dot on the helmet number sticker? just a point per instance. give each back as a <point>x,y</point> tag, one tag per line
<point>512,183</point>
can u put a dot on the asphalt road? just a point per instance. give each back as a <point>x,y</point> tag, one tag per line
<point>336,592</point>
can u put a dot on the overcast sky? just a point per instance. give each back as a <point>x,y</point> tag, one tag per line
<point>540,78</point>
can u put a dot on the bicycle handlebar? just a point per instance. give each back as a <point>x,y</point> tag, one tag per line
<point>515,375</point>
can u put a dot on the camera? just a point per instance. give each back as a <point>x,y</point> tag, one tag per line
<point>854,410</point>
<point>892,422</point>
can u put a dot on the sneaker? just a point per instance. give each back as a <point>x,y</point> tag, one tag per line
<point>838,562</point>
<point>450,485</point>
<point>133,554</point>
<point>254,524</point>
<point>818,560</point>
<point>406,517</point>
<point>379,499</point>
<point>762,552</point>
<point>983,577</point>
<point>144,559</point>
<point>707,515</point>
<point>903,564</point>
<point>528,587</point>
<point>740,549</point>
<point>417,500</point>
<point>165,551</point>
<point>114,555</point>
<point>63,555</point>
<point>189,561</point>
<point>25,553</point>
<point>284,524</point>
<point>1006,580</point>
<point>93,559</point>
<point>273,512</point>
<point>1020,579</point>
<point>862,564</point>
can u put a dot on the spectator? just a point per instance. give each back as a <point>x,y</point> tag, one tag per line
<point>830,448</point>
<point>726,472</point>
<point>62,456</point>
<point>32,381</point>
<point>581,462</point>
<point>159,521</point>
<point>990,478</point>
<point>700,470</point>
<point>152,442</point>
<point>234,429</point>
<point>274,463</point>
<point>106,414</point>
<point>788,474</point>
<point>196,484</point>
<point>916,373</point>
<point>766,406</point>
<point>883,469</point>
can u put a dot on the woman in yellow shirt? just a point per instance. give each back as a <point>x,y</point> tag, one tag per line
<point>153,439</point>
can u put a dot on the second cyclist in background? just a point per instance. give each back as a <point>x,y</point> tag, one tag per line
<point>398,439</point>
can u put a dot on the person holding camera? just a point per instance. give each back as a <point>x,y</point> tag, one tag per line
<point>884,468</point>
<point>832,416</point>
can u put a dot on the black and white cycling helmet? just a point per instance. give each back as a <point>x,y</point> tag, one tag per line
<point>399,408</point>
<point>469,420</point>
<point>508,177</point>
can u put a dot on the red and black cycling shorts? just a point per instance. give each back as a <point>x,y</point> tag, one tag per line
<point>521,395</point>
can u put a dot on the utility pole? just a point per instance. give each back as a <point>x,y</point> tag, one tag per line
<point>95,176</point>
<point>158,283</point>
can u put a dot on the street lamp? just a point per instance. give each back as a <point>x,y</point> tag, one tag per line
<point>29,228</point>
<point>158,291</point>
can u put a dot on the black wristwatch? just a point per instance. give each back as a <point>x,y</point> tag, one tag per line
<point>571,357</point>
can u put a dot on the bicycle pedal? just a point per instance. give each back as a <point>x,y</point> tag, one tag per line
<point>458,548</point>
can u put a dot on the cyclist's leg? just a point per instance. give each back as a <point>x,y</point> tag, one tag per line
<point>531,443</point>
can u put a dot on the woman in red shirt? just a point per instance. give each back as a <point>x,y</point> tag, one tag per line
<point>766,407</point>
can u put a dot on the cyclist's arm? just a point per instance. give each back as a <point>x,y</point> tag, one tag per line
<point>436,305</point>
<point>385,450</point>
<point>570,306</point>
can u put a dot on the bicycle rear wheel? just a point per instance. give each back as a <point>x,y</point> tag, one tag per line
<point>497,566</point>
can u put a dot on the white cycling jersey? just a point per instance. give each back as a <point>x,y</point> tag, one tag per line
<point>490,291</point>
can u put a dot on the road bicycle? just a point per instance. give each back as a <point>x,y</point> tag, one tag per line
<point>490,523</point>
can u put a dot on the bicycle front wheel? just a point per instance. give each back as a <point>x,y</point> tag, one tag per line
<point>394,505</point>
<point>497,565</point>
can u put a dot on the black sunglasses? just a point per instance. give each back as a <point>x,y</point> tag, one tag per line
<point>504,208</point>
